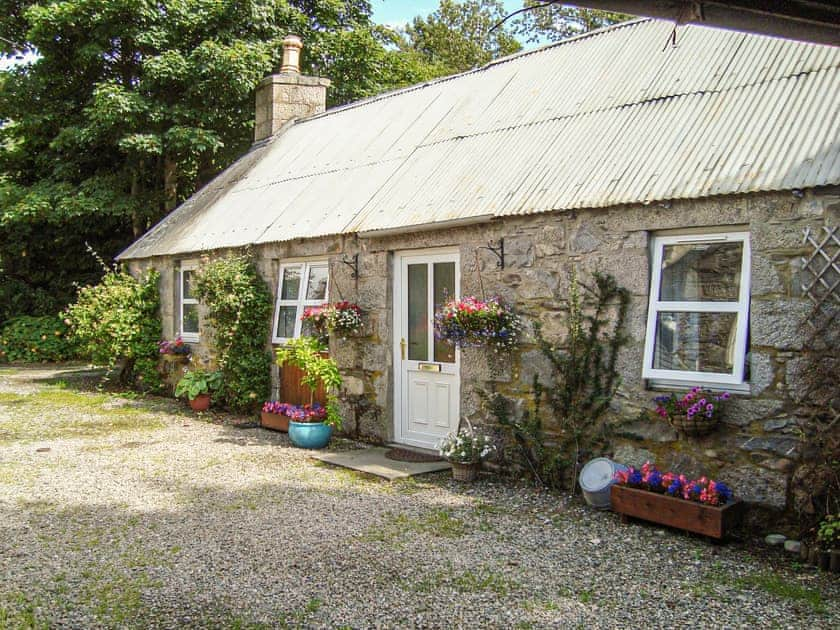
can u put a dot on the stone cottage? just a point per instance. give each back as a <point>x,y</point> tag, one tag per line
<point>689,172</point>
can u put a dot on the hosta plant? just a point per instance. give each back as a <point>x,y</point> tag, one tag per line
<point>196,382</point>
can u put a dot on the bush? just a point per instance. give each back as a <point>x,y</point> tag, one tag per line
<point>28,338</point>
<point>118,319</point>
<point>238,306</point>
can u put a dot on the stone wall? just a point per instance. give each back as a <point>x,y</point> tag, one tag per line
<point>756,449</point>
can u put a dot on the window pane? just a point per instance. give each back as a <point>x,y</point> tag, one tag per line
<point>317,288</point>
<point>190,323</point>
<point>444,276</point>
<point>695,342</point>
<point>291,283</point>
<point>701,272</point>
<point>286,319</point>
<point>418,312</point>
<point>186,289</point>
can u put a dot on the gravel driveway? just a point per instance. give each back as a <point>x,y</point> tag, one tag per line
<point>117,512</point>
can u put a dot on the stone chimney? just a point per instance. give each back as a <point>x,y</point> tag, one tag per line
<point>289,94</point>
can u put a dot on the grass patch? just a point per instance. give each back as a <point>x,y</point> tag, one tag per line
<point>17,612</point>
<point>472,582</point>
<point>775,585</point>
<point>437,523</point>
<point>56,413</point>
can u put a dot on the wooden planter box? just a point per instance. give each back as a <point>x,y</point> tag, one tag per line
<point>691,516</point>
<point>275,421</point>
<point>293,391</point>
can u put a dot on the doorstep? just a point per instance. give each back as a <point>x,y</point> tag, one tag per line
<point>372,460</point>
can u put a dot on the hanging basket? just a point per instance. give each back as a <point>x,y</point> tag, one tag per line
<point>696,426</point>
<point>465,472</point>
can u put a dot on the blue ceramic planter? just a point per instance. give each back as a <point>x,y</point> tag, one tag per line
<point>309,434</point>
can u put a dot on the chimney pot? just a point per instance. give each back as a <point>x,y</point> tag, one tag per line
<point>291,54</point>
<point>288,95</point>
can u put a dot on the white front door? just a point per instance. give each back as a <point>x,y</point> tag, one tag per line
<point>427,388</point>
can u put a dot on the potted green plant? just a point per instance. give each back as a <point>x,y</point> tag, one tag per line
<point>465,450</point>
<point>197,385</point>
<point>311,426</point>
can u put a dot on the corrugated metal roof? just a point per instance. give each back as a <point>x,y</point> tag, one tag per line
<point>608,118</point>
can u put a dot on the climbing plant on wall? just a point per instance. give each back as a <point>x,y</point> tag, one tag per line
<point>582,382</point>
<point>238,306</point>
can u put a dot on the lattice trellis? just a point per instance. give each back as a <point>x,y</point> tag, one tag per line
<point>821,272</point>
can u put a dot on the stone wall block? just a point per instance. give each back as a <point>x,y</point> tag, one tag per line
<point>742,412</point>
<point>519,252</point>
<point>764,488</point>
<point>551,242</point>
<point>631,455</point>
<point>779,235</point>
<point>762,372</point>
<point>586,238</point>
<point>778,323</point>
<point>767,277</point>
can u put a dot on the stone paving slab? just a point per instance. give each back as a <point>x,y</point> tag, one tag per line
<point>372,460</point>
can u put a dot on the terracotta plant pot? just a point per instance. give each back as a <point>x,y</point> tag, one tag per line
<point>200,402</point>
<point>274,421</point>
<point>708,520</point>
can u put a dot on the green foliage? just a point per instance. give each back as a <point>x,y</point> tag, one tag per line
<point>556,22</point>
<point>130,106</point>
<point>35,339</point>
<point>584,380</point>
<point>457,37</point>
<point>197,382</point>
<point>305,354</point>
<point>828,533</point>
<point>238,306</point>
<point>119,319</point>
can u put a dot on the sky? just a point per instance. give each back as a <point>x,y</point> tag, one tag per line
<point>391,12</point>
<point>399,12</point>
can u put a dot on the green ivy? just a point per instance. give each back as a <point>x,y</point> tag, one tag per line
<point>118,319</point>
<point>33,339</point>
<point>238,306</point>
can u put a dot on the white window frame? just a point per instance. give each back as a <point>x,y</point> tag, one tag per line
<point>741,308</point>
<point>186,336</point>
<point>301,302</point>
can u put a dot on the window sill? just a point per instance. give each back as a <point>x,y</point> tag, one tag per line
<point>189,338</point>
<point>660,384</point>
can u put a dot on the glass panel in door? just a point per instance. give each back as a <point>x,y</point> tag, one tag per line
<point>444,290</point>
<point>418,312</point>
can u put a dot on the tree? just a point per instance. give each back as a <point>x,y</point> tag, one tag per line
<point>556,21</point>
<point>457,36</point>
<point>131,105</point>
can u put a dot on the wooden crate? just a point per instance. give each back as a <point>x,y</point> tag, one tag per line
<point>691,516</point>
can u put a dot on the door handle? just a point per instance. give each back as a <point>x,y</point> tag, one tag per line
<point>402,348</point>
